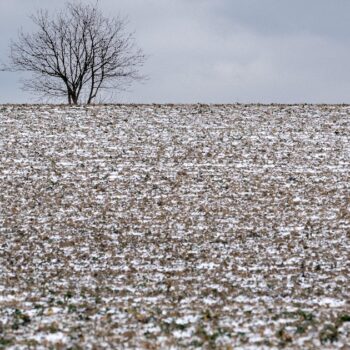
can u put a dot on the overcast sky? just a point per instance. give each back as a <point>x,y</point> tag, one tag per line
<point>219,51</point>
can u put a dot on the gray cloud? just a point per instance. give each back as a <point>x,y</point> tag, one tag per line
<point>221,51</point>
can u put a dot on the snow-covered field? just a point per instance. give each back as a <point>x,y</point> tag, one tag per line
<point>175,226</point>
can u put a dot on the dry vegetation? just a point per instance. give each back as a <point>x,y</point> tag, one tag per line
<point>158,227</point>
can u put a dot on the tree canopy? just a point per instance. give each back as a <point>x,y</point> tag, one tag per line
<point>76,54</point>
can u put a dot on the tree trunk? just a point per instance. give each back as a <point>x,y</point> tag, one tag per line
<point>74,98</point>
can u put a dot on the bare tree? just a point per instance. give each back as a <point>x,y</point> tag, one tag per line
<point>76,54</point>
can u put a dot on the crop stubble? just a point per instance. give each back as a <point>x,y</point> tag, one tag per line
<point>170,226</point>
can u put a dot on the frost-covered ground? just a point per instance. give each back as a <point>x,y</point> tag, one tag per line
<point>166,227</point>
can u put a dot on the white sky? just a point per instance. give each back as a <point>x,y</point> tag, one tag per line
<point>219,51</point>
